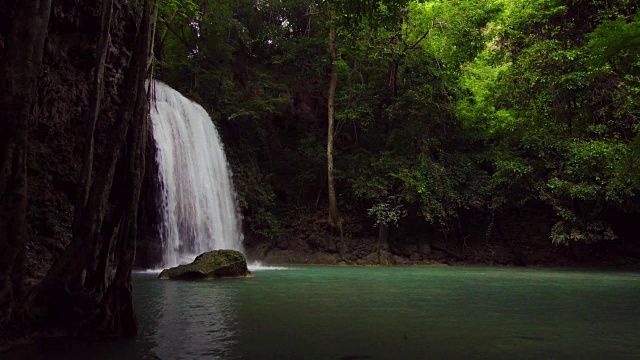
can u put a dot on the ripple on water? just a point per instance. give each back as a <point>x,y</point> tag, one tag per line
<point>258,266</point>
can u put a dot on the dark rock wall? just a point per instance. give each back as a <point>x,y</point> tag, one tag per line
<point>60,111</point>
<point>149,246</point>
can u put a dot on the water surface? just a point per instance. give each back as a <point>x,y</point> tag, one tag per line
<point>380,313</point>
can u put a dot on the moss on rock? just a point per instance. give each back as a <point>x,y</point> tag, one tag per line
<point>387,258</point>
<point>210,265</point>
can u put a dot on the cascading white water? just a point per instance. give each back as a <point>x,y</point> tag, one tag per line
<point>198,206</point>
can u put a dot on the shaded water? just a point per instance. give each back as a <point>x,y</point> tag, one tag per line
<point>380,313</point>
<point>197,201</point>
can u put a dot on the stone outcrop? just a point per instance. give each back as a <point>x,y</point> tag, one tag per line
<point>210,265</point>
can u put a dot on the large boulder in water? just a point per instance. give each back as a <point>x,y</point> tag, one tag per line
<point>210,265</point>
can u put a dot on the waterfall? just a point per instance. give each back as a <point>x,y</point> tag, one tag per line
<point>198,207</point>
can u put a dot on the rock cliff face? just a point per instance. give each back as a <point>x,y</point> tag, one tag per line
<point>60,110</point>
<point>79,177</point>
<point>58,123</point>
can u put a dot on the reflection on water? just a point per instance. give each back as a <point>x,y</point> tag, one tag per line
<point>378,313</point>
<point>194,321</point>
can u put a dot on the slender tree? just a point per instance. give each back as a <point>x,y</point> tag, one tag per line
<point>335,219</point>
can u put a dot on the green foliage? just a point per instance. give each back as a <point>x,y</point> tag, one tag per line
<point>385,213</point>
<point>443,107</point>
<point>555,99</point>
<point>181,8</point>
<point>613,39</point>
<point>257,198</point>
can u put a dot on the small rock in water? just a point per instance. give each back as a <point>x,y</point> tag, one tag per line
<point>210,265</point>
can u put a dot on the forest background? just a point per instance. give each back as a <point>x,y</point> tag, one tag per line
<point>464,124</point>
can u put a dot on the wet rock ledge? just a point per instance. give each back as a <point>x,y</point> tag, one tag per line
<point>210,265</point>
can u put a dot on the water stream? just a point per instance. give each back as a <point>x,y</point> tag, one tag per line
<point>377,313</point>
<point>198,206</point>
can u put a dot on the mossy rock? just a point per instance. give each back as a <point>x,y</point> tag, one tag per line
<point>387,259</point>
<point>210,265</point>
<point>371,259</point>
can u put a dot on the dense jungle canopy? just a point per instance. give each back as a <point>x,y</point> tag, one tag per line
<point>444,110</point>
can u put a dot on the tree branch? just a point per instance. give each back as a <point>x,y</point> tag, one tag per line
<point>181,38</point>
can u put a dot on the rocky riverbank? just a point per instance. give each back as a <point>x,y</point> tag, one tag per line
<point>309,241</point>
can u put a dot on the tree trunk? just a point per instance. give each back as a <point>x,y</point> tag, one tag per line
<point>117,315</point>
<point>335,219</point>
<point>383,238</point>
<point>393,78</point>
<point>86,172</point>
<point>19,69</point>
